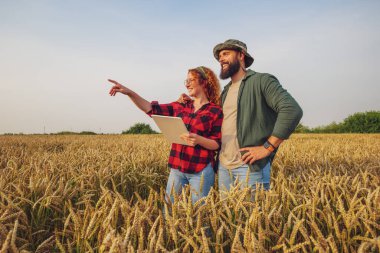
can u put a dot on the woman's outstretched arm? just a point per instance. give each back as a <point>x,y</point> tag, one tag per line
<point>139,101</point>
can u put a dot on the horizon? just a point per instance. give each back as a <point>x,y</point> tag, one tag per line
<point>153,126</point>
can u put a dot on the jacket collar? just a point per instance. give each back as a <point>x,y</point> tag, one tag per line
<point>248,74</point>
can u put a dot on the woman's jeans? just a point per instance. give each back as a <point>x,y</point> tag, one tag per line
<point>177,180</point>
<point>228,177</point>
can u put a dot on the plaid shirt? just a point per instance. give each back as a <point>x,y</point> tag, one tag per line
<point>206,121</point>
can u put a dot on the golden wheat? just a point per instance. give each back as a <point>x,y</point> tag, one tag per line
<point>106,194</point>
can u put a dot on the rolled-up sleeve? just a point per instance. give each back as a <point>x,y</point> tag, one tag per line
<point>170,109</point>
<point>288,110</point>
<point>216,128</point>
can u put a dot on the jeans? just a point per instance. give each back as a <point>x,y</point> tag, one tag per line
<point>227,178</point>
<point>177,180</point>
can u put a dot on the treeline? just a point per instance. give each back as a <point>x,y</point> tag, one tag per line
<point>58,133</point>
<point>140,128</point>
<point>71,133</point>
<point>361,122</point>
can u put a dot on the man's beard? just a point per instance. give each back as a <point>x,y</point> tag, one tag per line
<point>231,70</point>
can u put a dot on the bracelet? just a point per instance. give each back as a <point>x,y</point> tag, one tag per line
<point>271,144</point>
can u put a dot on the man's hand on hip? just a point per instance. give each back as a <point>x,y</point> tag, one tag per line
<point>253,154</point>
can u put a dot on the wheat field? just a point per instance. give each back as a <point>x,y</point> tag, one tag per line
<point>105,194</point>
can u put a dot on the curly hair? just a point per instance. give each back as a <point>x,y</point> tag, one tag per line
<point>212,86</point>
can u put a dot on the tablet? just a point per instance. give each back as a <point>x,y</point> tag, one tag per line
<point>171,127</point>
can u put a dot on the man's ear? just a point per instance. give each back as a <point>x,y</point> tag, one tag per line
<point>241,56</point>
<point>242,59</point>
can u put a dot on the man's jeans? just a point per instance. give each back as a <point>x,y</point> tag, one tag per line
<point>177,180</point>
<point>228,177</point>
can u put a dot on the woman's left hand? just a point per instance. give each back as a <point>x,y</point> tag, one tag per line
<point>191,139</point>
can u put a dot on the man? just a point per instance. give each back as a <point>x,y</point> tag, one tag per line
<point>258,115</point>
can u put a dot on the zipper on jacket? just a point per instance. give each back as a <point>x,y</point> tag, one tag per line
<point>237,111</point>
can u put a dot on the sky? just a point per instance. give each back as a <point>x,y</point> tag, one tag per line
<point>56,56</point>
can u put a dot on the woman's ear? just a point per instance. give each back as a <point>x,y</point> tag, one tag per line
<point>205,86</point>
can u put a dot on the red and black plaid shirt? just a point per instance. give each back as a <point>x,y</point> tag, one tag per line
<point>206,121</point>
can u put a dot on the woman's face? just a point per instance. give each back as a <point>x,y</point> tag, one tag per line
<point>193,85</point>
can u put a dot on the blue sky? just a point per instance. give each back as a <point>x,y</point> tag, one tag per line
<point>55,56</point>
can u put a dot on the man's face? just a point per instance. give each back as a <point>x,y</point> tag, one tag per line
<point>229,63</point>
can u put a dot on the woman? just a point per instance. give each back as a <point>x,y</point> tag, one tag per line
<point>203,118</point>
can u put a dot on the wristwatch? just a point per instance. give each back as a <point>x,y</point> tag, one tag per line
<point>269,146</point>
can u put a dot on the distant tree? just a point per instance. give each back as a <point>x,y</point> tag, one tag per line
<point>87,133</point>
<point>302,129</point>
<point>75,133</point>
<point>330,128</point>
<point>65,133</point>
<point>362,122</point>
<point>140,128</point>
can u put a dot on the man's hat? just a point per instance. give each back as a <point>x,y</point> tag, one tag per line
<point>234,45</point>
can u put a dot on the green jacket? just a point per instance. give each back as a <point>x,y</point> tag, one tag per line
<point>264,109</point>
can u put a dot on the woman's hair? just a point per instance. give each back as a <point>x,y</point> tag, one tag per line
<point>212,86</point>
